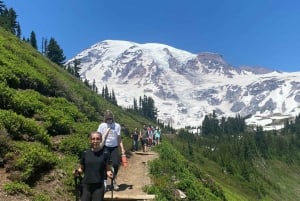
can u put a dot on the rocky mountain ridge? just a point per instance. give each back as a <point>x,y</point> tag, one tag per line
<point>187,86</point>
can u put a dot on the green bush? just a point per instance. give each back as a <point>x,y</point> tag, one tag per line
<point>8,77</point>
<point>5,96</point>
<point>16,188</point>
<point>60,116</point>
<point>5,143</point>
<point>41,197</point>
<point>67,164</point>
<point>27,102</point>
<point>33,159</point>
<point>28,77</point>
<point>74,144</point>
<point>20,128</point>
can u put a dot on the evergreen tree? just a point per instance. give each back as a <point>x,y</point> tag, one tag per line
<point>135,106</point>
<point>76,64</point>
<point>33,40</point>
<point>152,111</point>
<point>2,7</point>
<point>19,32</point>
<point>147,107</point>
<point>94,87</point>
<point>55,53</point>
<point>106,93</point>
<point>3,15</point>
<point>103,92</point>
<point>206,126</point>
<point>44,45</point>
<point>261,141</point>
<point>70,69</point>
<point>140,102</point>
<point>86,82</point>
<point>295,127</point>
<point>113,98</point>
<point>12,23</point>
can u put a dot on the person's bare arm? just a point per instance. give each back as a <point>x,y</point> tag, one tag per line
<point>121,144</point>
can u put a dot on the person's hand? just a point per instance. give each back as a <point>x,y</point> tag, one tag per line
<point>109,174</point>
<point>77,172</point>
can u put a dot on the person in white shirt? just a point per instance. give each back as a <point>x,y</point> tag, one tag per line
<point>111,135</point>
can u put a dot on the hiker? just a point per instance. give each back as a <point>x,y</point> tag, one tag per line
<point>135,137</point>
<point>94,167</point>
<point>111,133</point>
<point>150,136</point>
<point>144,138</point>
<point>157,135</point>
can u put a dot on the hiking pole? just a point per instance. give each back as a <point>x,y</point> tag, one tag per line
<point>112,183</point>
<point>76,186</point>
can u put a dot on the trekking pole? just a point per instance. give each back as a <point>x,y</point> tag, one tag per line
<point>76,186</point>
<point>112,183</point>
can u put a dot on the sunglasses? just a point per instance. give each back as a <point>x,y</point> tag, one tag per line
<point>96,138</point>
<point>109,119</point>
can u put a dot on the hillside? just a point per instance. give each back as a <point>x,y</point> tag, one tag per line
<point>46,115</point>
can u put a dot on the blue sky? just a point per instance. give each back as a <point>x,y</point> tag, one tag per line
<point>246,32</point>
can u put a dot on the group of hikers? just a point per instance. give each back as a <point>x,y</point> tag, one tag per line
<point>101,161</point>
<point>148,136</point>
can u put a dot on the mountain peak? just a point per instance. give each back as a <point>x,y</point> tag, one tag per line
<point>186,86</point>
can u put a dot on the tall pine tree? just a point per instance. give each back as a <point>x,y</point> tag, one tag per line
<point>32,40</point>
<point>55,53</point>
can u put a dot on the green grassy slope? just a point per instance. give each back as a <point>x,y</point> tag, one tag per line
<point>47,114</point>
<point>273,179</point>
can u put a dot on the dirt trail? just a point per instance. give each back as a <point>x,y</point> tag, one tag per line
<point>133,178</point>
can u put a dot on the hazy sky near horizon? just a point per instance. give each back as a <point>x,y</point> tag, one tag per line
<point>245,32</point>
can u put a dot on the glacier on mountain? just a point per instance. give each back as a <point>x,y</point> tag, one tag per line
<point>187,86</point>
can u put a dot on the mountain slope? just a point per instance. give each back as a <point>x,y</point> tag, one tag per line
<point>45,117</point>
<point>186,86</point>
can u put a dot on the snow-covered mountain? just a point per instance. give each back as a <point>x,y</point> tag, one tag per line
<point>186,86</point>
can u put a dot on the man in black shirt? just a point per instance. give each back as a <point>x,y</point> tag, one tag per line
<point>136,137</point>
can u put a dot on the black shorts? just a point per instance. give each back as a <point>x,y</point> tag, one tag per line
<point>144,141</point>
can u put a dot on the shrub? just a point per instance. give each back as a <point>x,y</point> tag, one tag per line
<point>16,188</point>
<point>41,197</point>
<point>74,144</point>
<point>20,128</point>
<point>33,159</point>
<point>60,116</point>
<point>5,143</point>
<point>5,96</point>
<point>8,77</point>
<point>27,102</point>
